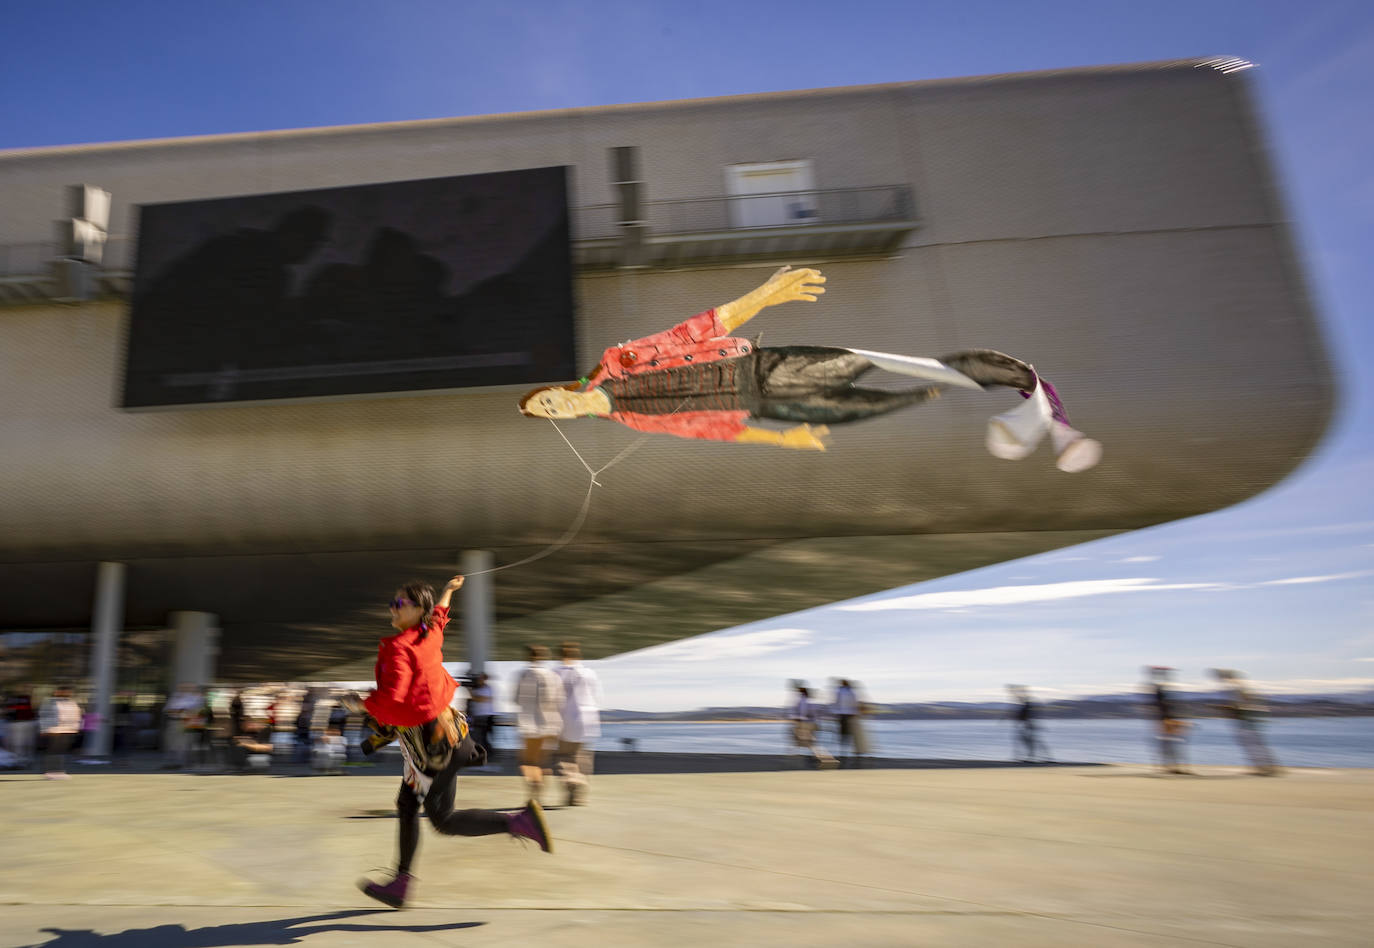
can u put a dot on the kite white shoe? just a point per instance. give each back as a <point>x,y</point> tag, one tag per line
<point>1015,434</point>
<point>1075,450</point>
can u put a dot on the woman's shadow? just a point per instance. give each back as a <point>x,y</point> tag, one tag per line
<point>280,931</point>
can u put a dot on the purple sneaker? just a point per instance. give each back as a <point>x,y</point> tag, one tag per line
<point>393,893</point>
<point>529,824</point>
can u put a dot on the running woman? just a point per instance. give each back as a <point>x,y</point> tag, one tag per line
<point>410,705</point>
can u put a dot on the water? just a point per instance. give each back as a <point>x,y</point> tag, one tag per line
<point>1297,742</point>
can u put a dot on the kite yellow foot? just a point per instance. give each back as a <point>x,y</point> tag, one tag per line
<point>805,437</point>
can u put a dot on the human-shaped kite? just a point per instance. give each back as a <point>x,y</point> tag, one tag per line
<point>698,381</point>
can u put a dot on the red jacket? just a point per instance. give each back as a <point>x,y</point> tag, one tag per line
<point>412,685</point>
<point>703,338</point>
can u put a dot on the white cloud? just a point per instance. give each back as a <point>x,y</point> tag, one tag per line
<point>723,646</point>
<point>1139,559</point>
<point>1017,595</point>
<point>1299,686</point>
<point>1329,578</point>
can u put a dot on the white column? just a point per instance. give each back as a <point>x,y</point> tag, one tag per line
<point>107,621</point>
<point>195,647</point>
<point>478,598</point>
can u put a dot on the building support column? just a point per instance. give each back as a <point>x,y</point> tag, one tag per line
<point>107,622</point>
<point>478,597</point>
<point>195,647</point>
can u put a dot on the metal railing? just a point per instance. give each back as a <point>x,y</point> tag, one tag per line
<point>596,222</point>
<point>836,206</point>
<point>868,205</point>
<point>719,214</point>
<point>32,259</point>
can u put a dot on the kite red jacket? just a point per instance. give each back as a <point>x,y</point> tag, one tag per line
<point>703,338</point>
<point>412,684</point>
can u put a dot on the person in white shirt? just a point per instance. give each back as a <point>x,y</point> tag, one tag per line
<point>59,719</point>
<point>846,712</point>
<point>539,700</point>
<point>804,727</point>
<point>581,723</point>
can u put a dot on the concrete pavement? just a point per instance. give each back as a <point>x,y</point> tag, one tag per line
<point>1066,856</point>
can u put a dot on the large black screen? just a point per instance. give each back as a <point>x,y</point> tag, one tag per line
<point>441,283</point>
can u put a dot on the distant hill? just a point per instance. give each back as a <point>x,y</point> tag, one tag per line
<point>1192,704</point>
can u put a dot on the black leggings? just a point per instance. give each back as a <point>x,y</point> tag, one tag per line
<point>815,384</point>
<point>438,807</point>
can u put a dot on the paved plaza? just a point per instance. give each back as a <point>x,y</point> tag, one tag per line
<point>1064,856</point>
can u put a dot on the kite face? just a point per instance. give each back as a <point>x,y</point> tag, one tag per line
<point>553,403</point>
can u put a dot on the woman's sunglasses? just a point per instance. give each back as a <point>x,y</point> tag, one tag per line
<point>399,603</point>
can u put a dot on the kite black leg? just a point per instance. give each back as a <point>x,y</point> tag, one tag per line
<point>990,368</point>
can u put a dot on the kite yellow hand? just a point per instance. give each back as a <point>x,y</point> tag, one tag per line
<point>788,284</point>
<point>783,286</point>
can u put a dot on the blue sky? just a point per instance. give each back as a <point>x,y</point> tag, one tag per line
<point>1279,586</point>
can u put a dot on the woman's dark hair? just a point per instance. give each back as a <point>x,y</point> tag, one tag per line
<point>422,594</point>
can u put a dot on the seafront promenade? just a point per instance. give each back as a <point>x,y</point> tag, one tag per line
<point>702,855</point>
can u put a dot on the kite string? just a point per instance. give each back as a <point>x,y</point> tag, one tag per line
<point>593,483</point>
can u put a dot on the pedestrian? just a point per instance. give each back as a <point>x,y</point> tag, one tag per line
<point>59,719</point>
<point>304,734</point>
<point>581,723</point>
<point>90,735</point>
<point>236,714</point>
<point>539,717</point>
<point>1171,729</point>
<point>845,710</point>
<point>252,746</point>
<point>1245,708</point>
<point>804,725</point>
<point>178,717</point>
<point>23,726</point>
<point>411,705</point>
<point>481,710</point>
<point>1027,744</point>
<point>200,731</point>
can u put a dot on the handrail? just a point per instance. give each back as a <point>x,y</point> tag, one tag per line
<point>723,213</point>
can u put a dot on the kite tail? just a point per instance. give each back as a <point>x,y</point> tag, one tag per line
<point>1015,434</point>
<point>1057,411</point>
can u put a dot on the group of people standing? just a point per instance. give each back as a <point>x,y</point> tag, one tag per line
<point>559,720</point>
<point>846,709</point>
<point>1240,703</point>
<point>57,722</point>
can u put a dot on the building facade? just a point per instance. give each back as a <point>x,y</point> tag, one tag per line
<point>1120,228</point>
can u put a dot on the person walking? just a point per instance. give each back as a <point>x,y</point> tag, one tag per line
<point>411,705</point>
<point>581,723</point>
<point>1170,728</point>
<point>539,718</point>
<point>804,726</point>
<point>1027,740</point>
<point>481,714</point>
<point>1245,708</point>
<point>178,717</point>
<point>236,714</point>
<point>845,709</point>
<point>59,718</point>
<point>23,725</point>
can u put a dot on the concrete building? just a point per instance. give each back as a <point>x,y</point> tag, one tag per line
<point>1118,227</point>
